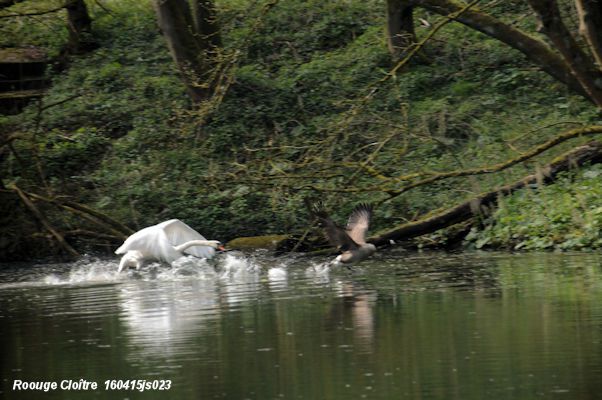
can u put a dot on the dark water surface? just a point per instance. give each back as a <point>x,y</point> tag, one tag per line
<point>404,325</point>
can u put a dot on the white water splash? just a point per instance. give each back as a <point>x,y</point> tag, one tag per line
<point>277,274</point>
<point>85,270</point>
<point>318,273</point>
<point>186,268</point>
<point>229,269</point>
<point>238,268</point>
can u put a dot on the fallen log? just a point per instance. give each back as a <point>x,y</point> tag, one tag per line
<point>589,152</point>
<point>270,242</point>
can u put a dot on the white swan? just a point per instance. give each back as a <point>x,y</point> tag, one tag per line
<point>351,241</point>
<point>167,242</point>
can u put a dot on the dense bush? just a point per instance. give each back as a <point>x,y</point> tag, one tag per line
<point>566,215</point>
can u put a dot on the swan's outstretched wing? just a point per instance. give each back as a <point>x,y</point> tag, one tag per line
<point>336,235</point>
<point>151,243</point>
<point>359,222</point>
<point>144,240</point>
<point>178,233</point>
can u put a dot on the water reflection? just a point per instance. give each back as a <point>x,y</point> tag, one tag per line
<point>159,319</point>
<point>359,305</point>
<point>429,326</point>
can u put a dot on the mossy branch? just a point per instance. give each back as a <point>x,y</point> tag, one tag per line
<point>563,137</point>
<point>590,152</point>
<point>33,13</point>
<point>393,186</point>
<point>537,51</point>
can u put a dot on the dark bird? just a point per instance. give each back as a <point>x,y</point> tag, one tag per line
<point>351,241</point>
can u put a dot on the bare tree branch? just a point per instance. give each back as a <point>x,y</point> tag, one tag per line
<point>42,219</point>
<point>535,50</point>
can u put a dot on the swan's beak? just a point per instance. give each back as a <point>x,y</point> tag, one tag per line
<point>221,248</point>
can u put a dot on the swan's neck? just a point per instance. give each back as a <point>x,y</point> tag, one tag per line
<point>186,245</point>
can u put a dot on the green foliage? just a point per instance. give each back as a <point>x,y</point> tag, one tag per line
<point>310,94</point>
<point>565,215</point>
<point>298,31</point>
<point>65,154</point>
<point>48,31</point>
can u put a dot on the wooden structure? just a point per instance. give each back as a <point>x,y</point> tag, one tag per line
<point>21,77</point>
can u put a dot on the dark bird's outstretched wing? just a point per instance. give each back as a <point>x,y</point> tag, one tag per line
<point>359,222</point>
<point>336,235</point>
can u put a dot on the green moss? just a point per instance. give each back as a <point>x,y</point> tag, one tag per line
<point>270,242</point>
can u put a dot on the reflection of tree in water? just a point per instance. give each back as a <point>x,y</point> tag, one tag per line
<point>438,271</point>
<point>467,277</point>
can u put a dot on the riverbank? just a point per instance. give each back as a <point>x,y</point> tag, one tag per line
<point>310,112</point>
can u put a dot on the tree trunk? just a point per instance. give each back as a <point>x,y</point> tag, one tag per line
<point>590,152</point>
<point>400,27</point>
<point>80,28</point>
<point>590,25</point>
<point>193,39</point>
<point>535,50</point>
<point>205,22</point>
<point>579,62</point>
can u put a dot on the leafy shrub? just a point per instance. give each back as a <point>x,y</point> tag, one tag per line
<point>565,215</point>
